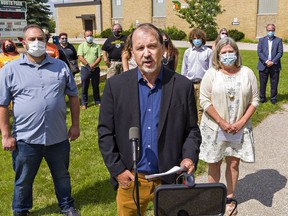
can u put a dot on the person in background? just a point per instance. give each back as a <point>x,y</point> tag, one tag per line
<point>161,103</point>
<point>170,56</point>
<point>270,51</point>
<point>222,33</point>
<point>229,97</point>
<point>9,52</point>
<point>128,61</point>
<point>51,49</point>
<point>112,49</point>
<point>196,61</point>
<point>66,50</point>
<point>37,85</point>
<point>89,54</point>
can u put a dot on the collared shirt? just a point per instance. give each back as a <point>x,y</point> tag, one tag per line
<point>89,52</point>
<point>196,62</point>
<point>38,94</point>
<point>270,42</point>
<point>150,99</point>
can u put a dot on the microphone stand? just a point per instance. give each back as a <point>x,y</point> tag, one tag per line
<point>137,188</point>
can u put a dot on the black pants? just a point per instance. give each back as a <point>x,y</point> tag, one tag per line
<point>274,79</point>
<point>86,75</point>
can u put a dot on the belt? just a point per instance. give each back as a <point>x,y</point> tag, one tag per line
<point>196,81</point>
<point>116,60</point>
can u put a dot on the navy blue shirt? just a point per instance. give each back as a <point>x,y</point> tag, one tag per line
<point>150,99</point>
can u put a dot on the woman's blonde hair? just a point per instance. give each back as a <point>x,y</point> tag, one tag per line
<point>223,42</point>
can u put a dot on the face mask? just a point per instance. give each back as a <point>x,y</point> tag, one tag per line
<point>89,39</point>
<point>36,48</point>
<point>116,33</point>
<point>228,59</point>
<point>197,42</point>
<point>9,48</point>
<point>223,36</point>
<point>63,41</point>
<point>270,34</point>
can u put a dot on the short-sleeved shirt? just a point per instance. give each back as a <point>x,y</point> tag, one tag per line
<point>114,46</point>
<point>52,50</point>
<point>89,52</point>
<point>37,92</point>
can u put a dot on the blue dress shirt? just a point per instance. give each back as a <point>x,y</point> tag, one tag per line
<point>150,99</point>
<point>37,92</point>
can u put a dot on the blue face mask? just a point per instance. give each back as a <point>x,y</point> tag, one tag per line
<point>89,39</point>
<point>197,42</point>
<point>270,34</point>
<point>228,59</point>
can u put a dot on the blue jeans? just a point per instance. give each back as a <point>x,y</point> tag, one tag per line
<point>26,162</point>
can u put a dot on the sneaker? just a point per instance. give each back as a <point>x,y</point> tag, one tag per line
<point>26,213</point>
<point>71,212</point>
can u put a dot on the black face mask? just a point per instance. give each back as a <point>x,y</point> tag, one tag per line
<point>9,48</point>
<point>117,33</point>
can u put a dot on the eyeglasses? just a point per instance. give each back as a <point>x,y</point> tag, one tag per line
<point>63,38</point>
<point>224,33</point>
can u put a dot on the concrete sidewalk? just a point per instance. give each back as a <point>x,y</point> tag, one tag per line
<point>262,186</point>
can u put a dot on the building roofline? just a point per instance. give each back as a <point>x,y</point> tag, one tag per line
<point>74,4</point>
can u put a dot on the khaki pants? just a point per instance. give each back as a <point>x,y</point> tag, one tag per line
<point>114,69</point>
<point>124,198</point>
<point>197,95</point>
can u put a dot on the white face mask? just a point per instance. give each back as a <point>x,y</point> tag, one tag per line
<point>36,48</point>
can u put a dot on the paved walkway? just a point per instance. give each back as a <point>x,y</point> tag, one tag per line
<point>262,186</point>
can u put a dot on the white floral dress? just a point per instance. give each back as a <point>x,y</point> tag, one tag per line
<point>211,150</point>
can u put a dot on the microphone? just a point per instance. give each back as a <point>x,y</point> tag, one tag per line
<point>134,138</point>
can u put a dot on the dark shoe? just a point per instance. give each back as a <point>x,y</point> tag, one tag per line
<point>263,100</point>
<point>273,101</point>
<point>26,213</point>
<point>71,212</point>
<point>98,103</point>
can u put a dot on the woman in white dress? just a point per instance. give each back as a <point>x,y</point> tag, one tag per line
<point>229,97</point>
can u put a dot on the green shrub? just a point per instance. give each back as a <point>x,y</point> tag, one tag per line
<point>174,33</point>
<point>285,40</point>
<point>236,35</point>
<point>106,33</point>
<point>211,33</point>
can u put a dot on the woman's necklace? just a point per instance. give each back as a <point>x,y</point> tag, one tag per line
<point>231,88</point>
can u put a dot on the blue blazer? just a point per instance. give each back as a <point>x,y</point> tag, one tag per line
<point>276,53</point>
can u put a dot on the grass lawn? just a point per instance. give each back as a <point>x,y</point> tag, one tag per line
<point>91,188</point>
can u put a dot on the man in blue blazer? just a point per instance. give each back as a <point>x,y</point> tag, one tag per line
<point>270,51</point>
<point>161,104</point>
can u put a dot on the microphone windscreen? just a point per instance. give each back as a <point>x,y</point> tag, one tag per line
<point>133,133</point>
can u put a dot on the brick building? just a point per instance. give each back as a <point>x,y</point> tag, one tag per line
<point>248,16</point>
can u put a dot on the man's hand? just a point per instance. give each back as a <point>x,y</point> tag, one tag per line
<point>188,165</point>
<point>8,143</point>
<point>269,63</point>
<point>124,179</point>
<point>73,133</point>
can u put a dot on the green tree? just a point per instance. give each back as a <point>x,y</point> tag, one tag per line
<point>52,25</point>
<point>38,12</point>
<point>201,13</point>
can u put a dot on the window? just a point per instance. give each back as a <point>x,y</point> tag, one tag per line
<point>159,8</point>
<point>118,2</point>
<point>117,9</point>
<point>267,7</point>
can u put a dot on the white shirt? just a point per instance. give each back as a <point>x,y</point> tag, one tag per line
<point>196,62</point>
